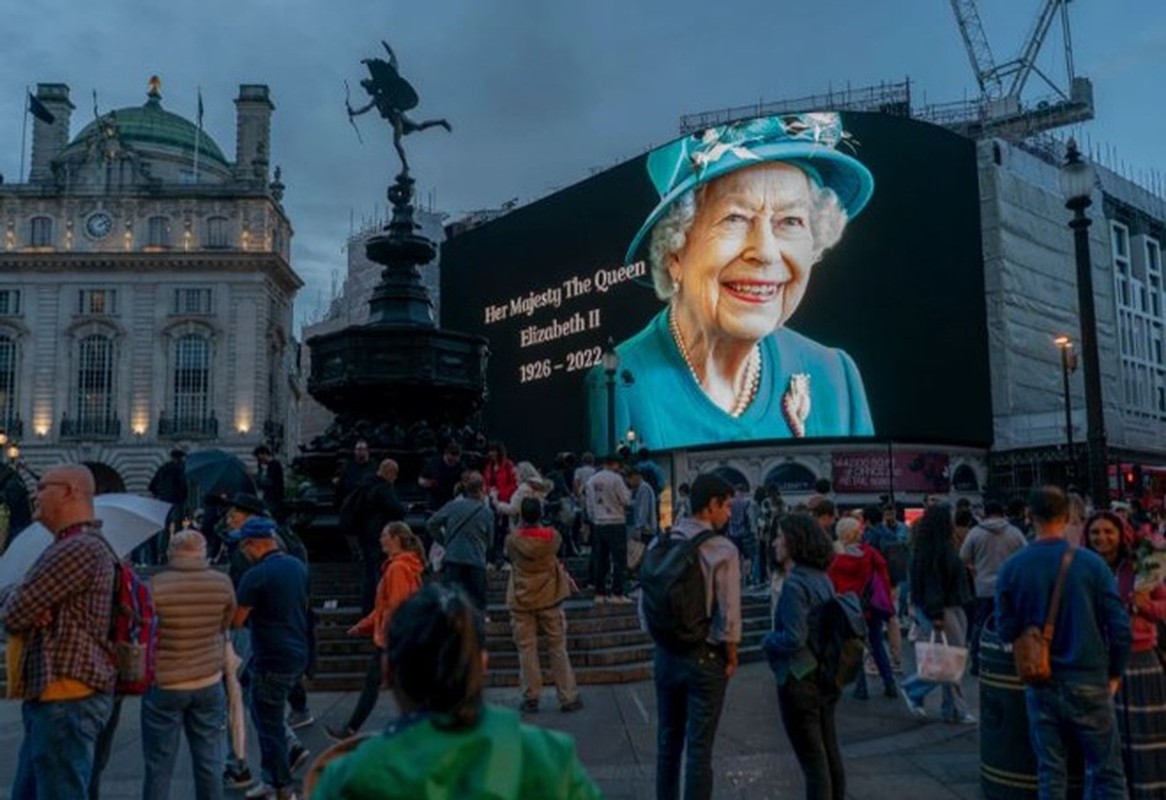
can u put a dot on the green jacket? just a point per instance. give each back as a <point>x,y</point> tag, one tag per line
<point>500,759</point>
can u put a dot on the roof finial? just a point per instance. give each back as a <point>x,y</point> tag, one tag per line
<point>155,90</point>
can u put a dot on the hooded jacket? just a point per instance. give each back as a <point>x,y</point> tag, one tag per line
<point>400,578</point>
<point>498,759</point>
<point>535,581</point>
<point>986,548</point>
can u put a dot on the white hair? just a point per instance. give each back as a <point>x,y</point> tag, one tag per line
<point>827,222</point>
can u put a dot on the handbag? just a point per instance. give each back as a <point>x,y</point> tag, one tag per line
<point>1031,650</point>
<point>939,661</point>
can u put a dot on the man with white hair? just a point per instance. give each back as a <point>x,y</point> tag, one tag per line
<point>61,614</point>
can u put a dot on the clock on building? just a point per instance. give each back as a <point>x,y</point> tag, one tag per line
<point>98,225</point>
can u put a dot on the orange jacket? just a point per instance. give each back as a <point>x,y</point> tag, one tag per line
<point>400,578</point>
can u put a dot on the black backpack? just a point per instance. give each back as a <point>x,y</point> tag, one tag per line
<point>840,637</point>
<point>672,583</point>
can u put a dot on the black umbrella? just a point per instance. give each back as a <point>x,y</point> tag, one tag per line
<point>216,472</point>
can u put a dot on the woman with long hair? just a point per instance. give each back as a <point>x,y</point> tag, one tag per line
<point>400,578</point>
<point>447,741</point>
<point>857,567</point>
<point>1141,702</point>
<point>806,698</point>
<point>939,591</point>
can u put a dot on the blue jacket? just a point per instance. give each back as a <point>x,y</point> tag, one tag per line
<point>1091,641</point>
<point>668,409</point>
<point>787,645</point>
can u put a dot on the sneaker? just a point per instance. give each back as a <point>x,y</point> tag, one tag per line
<point>620,600</point>
<point>897,667</point>
<point>574,705</point>
<point>297,757</point>
<point>967,719</point>
<point>338,734</point>
<point>237,776</point>
<point>869,666</point>
<point>300,719</point>
<point>600,599</point>
<point>529,707</point>
<point>917,710</point>
<point>260,791</point>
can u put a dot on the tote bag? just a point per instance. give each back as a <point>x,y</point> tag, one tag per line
<point>939,661</point>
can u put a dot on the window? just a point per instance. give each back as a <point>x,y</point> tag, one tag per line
<point>216,232</point>
<point>95,398</point>
<point>191,381</point>
<point>100,302</point>
<point>158,232</point>
<point>9,302</point>
<point>191,301</point>
<point>41,232</point>
<point>7,381</point>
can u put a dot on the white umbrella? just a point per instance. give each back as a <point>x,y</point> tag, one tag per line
<point>127,521</point>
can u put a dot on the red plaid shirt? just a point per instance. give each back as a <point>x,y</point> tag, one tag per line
<point>62,608</point>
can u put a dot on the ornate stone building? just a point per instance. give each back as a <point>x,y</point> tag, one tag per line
<point>146,289</point>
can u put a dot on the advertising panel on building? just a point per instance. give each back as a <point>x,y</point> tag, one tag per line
<point>807,277</point>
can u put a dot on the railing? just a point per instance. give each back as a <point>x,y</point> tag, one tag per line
<point>90,427</point>
<point>188,427</point>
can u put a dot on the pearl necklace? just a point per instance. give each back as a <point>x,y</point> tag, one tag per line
<point>743,396</point>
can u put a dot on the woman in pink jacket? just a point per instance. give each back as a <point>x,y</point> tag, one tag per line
<point>400,579</point>
<point>1141,702</point>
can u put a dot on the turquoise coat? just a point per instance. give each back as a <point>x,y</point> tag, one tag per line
<point>668,409</point>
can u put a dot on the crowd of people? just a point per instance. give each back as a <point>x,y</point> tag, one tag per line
<point>241,639</point>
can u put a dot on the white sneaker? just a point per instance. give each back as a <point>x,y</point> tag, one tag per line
<point>600,599</point>
<point>620,600</point>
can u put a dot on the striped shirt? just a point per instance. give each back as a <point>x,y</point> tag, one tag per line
<point>63,608</point>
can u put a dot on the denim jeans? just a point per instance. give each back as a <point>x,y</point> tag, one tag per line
<point>269,692</point>
<point>808,717</point>
<point>471,580</point>
<point>878,650</point>
<point>985,608</point>
<point>165,714</point>
<point>1085,712</point>
<point>690,693</point>
<point>369,693</point>
<point>610,543</point>
<point>56,756</point>
<point>954,706</point>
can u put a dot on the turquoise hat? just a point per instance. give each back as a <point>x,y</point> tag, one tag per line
<point>809,141</point>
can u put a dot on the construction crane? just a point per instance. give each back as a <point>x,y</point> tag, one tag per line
<point>1001,111</point>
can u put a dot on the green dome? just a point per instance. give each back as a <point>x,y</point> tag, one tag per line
<point>150,126</point>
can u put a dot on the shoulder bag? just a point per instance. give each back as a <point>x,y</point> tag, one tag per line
<point>1031,650</point>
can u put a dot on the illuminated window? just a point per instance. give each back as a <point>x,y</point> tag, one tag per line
<point>192,376</point>
<point>95,397</point>
<point>41,232</point>
<point>216,232</point>
<point>158,232</point>
<point>7,381</point>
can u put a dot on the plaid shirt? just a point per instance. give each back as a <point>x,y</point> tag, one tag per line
<point>63,609</point>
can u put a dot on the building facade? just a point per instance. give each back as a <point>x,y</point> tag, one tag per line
<point>146,290</point>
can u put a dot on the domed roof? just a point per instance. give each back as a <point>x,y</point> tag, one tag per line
<point>151,127</point>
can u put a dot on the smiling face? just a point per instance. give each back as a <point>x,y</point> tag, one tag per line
<point>1104,538</point>
<point>748,256</point>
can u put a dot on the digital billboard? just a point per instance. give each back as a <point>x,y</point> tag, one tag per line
<point>805,277</point>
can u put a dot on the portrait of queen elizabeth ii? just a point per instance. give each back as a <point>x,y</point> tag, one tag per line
<point>746,212</point>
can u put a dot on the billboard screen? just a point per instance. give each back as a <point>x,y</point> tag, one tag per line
<point>806,277</point>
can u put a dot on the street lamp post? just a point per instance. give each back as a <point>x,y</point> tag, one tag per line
<point>610,367</point>
<point>1068,365</point>
<point>1077,179</point>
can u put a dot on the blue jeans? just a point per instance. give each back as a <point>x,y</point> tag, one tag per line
<point>56,756</point>
<point>808,717</point>
<point>955,624</point>
<point>165,714</point>
<point>1085,712</point>
<point>269,692</point>
<point>878,650</point>
<point>690,693</point>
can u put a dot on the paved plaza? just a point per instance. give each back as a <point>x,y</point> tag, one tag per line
<point>887,753</point>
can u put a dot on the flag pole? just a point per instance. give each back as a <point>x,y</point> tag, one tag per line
<point>24,132</point>
<point>198,135</point>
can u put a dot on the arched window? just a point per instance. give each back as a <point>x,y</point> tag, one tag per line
<point>95,397</point>
<point>7,382</point>
<point>41,232</point>
<point>158,232</point>
<point>192,378</point>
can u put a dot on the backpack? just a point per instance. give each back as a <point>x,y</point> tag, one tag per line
<point>841,636</point>
<point>133,631</point>
<point>672,583</point>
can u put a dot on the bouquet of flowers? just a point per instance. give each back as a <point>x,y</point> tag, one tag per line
<point>1149,561</point>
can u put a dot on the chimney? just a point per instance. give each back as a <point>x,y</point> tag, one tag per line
<point>253,109</point>
<point>49,139</point>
